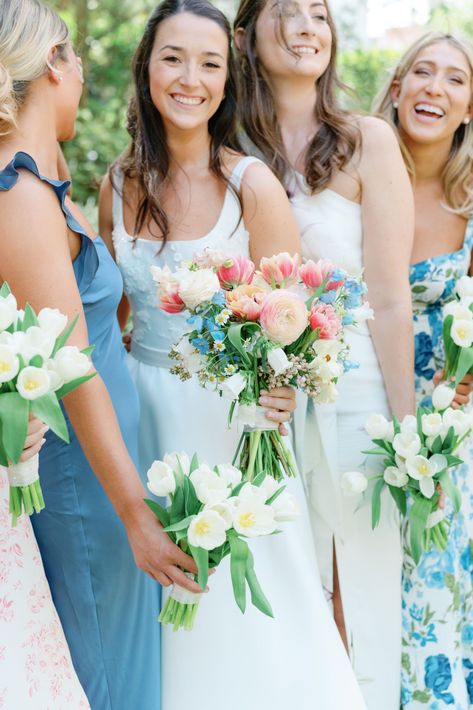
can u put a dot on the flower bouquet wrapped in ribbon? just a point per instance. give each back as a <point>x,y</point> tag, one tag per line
<point>37,369</point>
<point>256,330</point>
<point>212,513</point>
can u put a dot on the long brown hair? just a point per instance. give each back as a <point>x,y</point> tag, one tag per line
<point>334,144</point>
<point>147,159</point>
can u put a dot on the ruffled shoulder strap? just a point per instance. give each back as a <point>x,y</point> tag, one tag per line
<point>469,233</point>
<point>239,170</point>
<point>87,261</point>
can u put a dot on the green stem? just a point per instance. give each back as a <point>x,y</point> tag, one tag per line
<point>254,437</point>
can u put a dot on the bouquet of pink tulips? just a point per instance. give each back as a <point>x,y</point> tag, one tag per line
<point>212,513</point>
<point>256,330</point>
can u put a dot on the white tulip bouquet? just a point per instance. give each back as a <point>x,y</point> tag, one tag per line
<point>257,330</point>
<point>37,369</point>
<point>417,455</point>
<point>212,513</point>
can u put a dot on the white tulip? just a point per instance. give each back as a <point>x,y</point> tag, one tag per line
<point>233,386</point>
<point>285,508</point>
<point>328,349</point>
<point>462,332</point>
<point>225,510</point>
<point>353,483</point>
<point>423,470</point>
<point>269,486</point>
<point>196,287</point>
<point>230,474</point>
<point>377,426</point>
<point>432,424</point>
<point>163,276</point>
<point>327,369</point>
<point>464,286</point>
<point>207,530</point>
<point>9,364</point>
<point>52,321</point>
<point>176,458</point>
<point>327,393</point>
<point>8,312</point>
<point>185,347</point>
<point>33,382</point>
<point>456,418</point>
<point>254,519</point>
<point>407,443</point>
<point>210,488</point>
<point>70,363</point>
<point>36,341</point>
<point>161,479</point>
<point>252,494</point>
<point>395,477</point>
<point>278,360</point>
<point>459,310</point>
<point>442,397</point>
<point>55,380</point>
<point>409,423</point>
<point>400,463</point>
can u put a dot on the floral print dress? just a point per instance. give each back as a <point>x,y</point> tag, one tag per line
<point>437,658</point>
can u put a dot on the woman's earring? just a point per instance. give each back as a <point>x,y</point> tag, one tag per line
<point>396,104</point>
<point>466,120</point>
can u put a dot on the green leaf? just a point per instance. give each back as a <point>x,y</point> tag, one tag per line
<point>235,335</point>
<point>423,696</point>
<point>258,598</point>
<point>73,384</point>
<point>465,364</point>
<point>201,558</point>
<point>14,411</point>
<point>276,495</point>
<point>400,498</point>
<point>181,525</point>
<point>5,290</point>
<point>450,490</point>
<point>194,464</point>
<point>238,555</point>
<point>48,410</point>
<point>376,502</point>
<point>453,460</point>
<point>177,508</point>
<point>64,337</point>
<point>160,512</point>
<point>419,289</point>
<point>378,451</point>
<point>192,504</point>
<point>36,361</point>
<point>420,511</point>
<point>88,350</point>
<point>437,445</point>
<point>448,441</point>
<point>29,318</point>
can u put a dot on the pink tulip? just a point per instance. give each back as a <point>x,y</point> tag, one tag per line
<point>281,270</point>
<point>236,271</point>
<point>284,316</point>
<point>323,317</point>
<point>246,301</point>
<point>169,298</point>
<point>313,274</point>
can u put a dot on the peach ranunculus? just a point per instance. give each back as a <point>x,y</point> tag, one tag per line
<point>324,317</point>
<point>284,316</point>
<point>246,301</point>
<point>235,271</point>
<point>281,270</point>
<point>313,274</point>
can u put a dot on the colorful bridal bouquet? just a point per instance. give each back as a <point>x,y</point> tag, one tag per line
<point>212,512</point>
<point>256,330</point>
<point>417,454</point>
<point>37,369</point>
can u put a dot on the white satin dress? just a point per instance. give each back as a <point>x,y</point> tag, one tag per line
<point>329,441</point>
<point>229,660</point>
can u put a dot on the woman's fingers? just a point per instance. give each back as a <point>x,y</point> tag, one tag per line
<point>183,580</point>
<point>32,450</point>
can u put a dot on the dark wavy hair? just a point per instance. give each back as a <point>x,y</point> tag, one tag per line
<point>147,159</point>
<point>335,142</point>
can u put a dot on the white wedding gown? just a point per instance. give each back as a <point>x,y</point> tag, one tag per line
<point>329,442</point>
<point>229,661</point>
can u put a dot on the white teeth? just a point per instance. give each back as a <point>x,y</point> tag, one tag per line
<point>305,50</point>
<point>428,108</point>
<point>189,101</point>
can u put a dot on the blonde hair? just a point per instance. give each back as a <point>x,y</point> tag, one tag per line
<point>457,175</point>
<point>28,32</point>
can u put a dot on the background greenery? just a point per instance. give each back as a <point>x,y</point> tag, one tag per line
<point>105,34</point>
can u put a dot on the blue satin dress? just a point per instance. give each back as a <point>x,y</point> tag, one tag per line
<point>107,606</point>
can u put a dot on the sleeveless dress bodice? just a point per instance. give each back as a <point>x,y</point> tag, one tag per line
<point>94,581</point>
<point>154,331</point>
<point>330,439</point>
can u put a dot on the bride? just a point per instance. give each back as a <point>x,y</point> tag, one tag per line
<point>184,186</point>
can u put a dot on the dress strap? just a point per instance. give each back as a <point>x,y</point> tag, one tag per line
<point>86,263</point>
<point>239,170</point>
<point>468,242</point>
<point>117,198</point>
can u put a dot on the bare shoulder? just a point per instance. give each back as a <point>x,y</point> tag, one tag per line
<point>376,134</point>
<point>261,180</point>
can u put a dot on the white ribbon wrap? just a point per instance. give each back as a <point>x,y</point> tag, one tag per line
<point>435,518</point>
<point>253,417</point>
<point>23,473</point>
<point>183,596</point>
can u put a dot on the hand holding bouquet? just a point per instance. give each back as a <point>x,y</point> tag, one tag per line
<point>253,331</point>
<point>211,515</point>
<point>37,369</point>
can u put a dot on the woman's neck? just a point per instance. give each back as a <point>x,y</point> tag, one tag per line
<point>188,150</point>
<point>429,160</point>
<point>294,102</point>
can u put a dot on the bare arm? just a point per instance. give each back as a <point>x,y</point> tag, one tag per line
<point>388,232</point>
<point>55,286</point>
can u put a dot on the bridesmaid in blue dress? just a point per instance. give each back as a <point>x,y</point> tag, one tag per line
<point>96,531</point>
<point>429,100</point>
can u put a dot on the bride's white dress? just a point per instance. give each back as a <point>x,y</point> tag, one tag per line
<point>229,660</point>
<point>329,442</point>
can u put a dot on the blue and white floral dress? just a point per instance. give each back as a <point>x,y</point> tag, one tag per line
<point>437,659</point>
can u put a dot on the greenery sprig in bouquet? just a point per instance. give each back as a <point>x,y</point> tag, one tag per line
<point>37,369</point>
<point>212,513</point>
<point>256,330</point>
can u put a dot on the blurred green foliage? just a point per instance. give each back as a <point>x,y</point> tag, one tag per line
<point>106,33</point>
